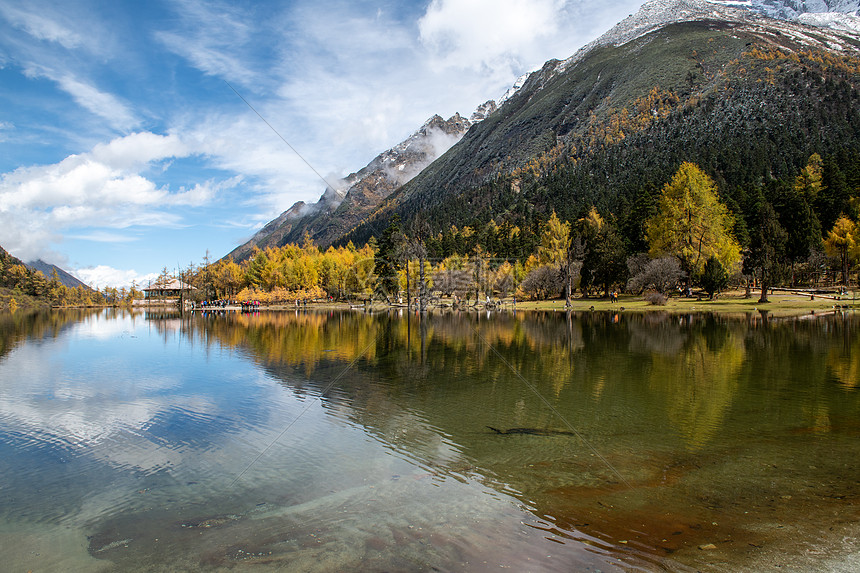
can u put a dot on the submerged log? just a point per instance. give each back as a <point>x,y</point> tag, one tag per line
<point>532,432</point>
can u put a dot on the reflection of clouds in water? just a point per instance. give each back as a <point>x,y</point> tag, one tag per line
<point>404,431</point>
<point>99,425</point>
<point>91,409</point>
<point>415,438</point>
<point>103,327</point>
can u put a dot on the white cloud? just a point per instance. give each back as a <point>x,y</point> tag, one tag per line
<point>101,104</point>
<point>102,275</point>
<point>41,26</point>
<point>211,37</point>
<point>244,144</point>
<point>509,37</point>
<point>106,177</point>
<point>103,237</point>
<point>138,149</point>
<point>103,189</point>
<point>104,105</point>
<point>203,193</point>
<point>507,29</point>
<point>5,127</point>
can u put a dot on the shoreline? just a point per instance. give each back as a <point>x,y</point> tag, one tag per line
<point>731,303</point>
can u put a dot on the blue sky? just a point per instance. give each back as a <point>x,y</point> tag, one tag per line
<point>123,148</point>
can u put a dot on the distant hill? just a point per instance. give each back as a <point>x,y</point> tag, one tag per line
<point>65,278</point>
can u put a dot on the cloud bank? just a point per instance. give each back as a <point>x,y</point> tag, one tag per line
<point>105,188</point>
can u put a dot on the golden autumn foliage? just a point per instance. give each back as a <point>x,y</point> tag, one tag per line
<point>825,60</point>
<point>692,224</point>
<point>554,242</point>
<point>282,274</point>
<point>642,112</point>
<point>842,244</point>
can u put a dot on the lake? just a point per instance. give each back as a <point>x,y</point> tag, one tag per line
<point>393,441</point>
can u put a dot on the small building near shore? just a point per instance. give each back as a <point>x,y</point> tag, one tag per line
<point>170,290</point>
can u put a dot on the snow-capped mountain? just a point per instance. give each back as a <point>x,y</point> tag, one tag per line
<point>837,17</point>
<point>793,9</point>
<point>514,88</point>
<point>345,201</point>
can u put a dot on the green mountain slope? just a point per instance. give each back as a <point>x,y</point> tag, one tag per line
<point>747,101</point>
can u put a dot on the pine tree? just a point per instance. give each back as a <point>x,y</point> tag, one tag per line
<point>714,277</point>
<point>387,263</point>
<point>767,248</point>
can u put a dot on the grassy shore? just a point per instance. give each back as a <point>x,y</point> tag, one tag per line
<point>735,302</point>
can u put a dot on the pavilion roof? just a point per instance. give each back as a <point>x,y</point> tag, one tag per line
<point>172,284</point>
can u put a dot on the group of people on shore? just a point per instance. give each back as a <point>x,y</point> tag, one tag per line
<point>245,305</point>
<point>216,303</point>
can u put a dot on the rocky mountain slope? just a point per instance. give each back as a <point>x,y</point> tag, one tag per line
<point>346,204</point>
<point>793,9</point>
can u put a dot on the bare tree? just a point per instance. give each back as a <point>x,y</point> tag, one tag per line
<point>571,266</point>
<point>453,281</point>
<point>658,274</point>
<point>543,282</point>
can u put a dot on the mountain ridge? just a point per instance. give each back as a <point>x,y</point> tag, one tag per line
<point>613,103</point>
<point>341,208</point>
<point>516,131</point>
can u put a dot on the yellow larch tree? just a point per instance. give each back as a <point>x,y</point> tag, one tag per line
<point>692,224</point>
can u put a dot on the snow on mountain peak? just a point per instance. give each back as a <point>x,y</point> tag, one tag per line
<point>840,16</point>
<point>794,9</point>
<point>514,88</point>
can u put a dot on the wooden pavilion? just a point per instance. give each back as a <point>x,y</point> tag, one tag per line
<point>170,290</point>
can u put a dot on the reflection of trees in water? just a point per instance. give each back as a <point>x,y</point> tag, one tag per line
<point>823,352</point>
<point>659,333</point>
<point>305,339</point>
<point>700,380</point>
<point>297,339</point>
<point>843,362</point>
<point>16,327</point>
<point>694,365</point>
